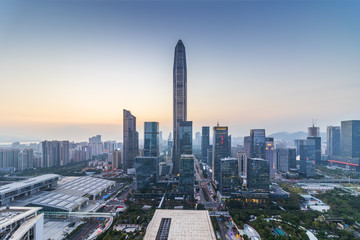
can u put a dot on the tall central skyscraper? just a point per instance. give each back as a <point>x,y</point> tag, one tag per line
<point>131,140</point>
<point>179,98</point>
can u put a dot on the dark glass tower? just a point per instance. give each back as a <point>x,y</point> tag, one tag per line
<point>146,169</point>
<point>130,141</point>
<point>179,99</point>
<point>307,157</point>
<point>151,139</point>
<point>257,143</point>
<point>258,175</point>
<point>221,149</point>
<point>185,137</point>
<point>205,143</point>
<point>187,174</point>
<point>229,175</point>
<point>350,138</point>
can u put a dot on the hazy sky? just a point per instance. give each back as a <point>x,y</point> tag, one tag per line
<point>69,67</point>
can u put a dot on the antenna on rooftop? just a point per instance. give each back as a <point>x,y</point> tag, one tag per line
<point>314,122</point>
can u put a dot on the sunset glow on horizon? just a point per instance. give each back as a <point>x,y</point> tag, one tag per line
<point>69,68</point>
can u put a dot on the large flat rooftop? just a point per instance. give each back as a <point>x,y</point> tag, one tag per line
<point>80,186</point>
<point>180,225</point>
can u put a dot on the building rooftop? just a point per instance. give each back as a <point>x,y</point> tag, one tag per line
<point>11,215</point>
<point>80,186</point>
<point>180,225</point>
<point>59,201</point>
<point>26,183</point>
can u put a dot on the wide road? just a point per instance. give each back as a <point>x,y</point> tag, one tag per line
<point>85,230</point>
<point>203,185</point>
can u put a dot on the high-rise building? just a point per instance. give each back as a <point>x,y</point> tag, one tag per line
<point>317,141</point>
<point>179,99</point>
<point>151,139</point>
<point>269,155</point>
<point>333,141</point>
<point>197,140</point>
<point>258,175</point>
<point>350,138</point>
<point>187,174</point>
<point>229,175</point>
<point>185,137</point>
<point>307,157</point>
<point>313,131</point>
<point>247,145</point>
<point>281,158</point>
<point>257,143</point>
<point>229,146</point>
<point>64,153</point>
<point>146,173</point>
<point>205,142</point>
<point>10,158</point>
<point>55,153</point>
<point>298,143</point>
<point>130,141</point>
<point>26,159</point>
<point>116,159</point>
<point>242,163</point>
<point>292,158</point>
<point>109,146</point>
<point>210,155</point>
<point>220,149</point>
<point>96,146</point>
<point>165,168</point>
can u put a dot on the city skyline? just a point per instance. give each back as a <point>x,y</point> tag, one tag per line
<point>70,77</point>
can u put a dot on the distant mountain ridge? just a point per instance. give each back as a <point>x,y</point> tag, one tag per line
<point>17,139</point>
<point>290,137</point>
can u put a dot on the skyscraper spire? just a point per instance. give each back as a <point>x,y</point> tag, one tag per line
<point>179,99</point>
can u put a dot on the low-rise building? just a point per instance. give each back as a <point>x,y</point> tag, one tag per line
<point>18,223</point>
<point>180,225</point>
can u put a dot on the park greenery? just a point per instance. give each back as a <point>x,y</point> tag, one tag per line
<point>343,205</point>
<point>265,216</point>
<point>133,215</point>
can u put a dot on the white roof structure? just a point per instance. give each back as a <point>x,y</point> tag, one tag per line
<point>59,201</point>
<point>9,216</point>
<point>251,232</point>
<point>180,225</point>
<point>80,186</point>
<point>27,183</point>
<point>16,223</point>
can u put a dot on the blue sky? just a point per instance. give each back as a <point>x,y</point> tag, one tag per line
<point>68,68</point>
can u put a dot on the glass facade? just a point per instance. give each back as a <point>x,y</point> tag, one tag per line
<point>146,169</point>
<point>179,99</point>
<point>292,158</point>
<point>269,155</point>
<point>242,163</point>
<point>333,141</point>
<point>151,139</point>
<point>185,137</point>
<point>187,174</point>
<point>229,175</point>
<point>221,149</point>
<point>307,158</point>
<point>130,141</point>
<point>282,159</point>
<point>258,175</point>
<point>350,138</point>
<point>257,143</point>
<point>317,141</point>
<point>205,142</point>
